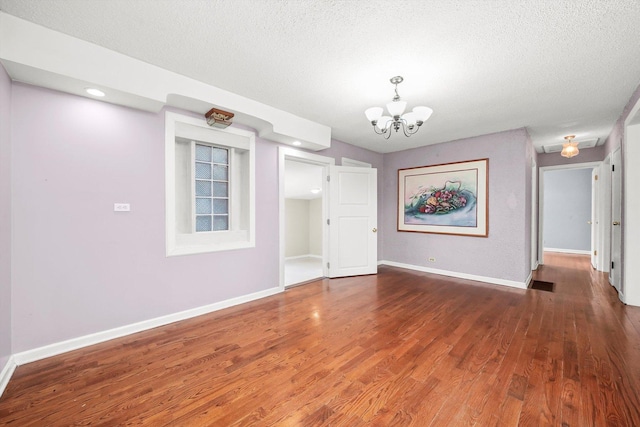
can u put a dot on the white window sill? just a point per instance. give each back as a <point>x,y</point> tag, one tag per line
<point>197,243</point>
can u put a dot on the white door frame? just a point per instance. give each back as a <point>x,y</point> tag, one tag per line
<point>604,249</point>
<point>631,208</point>
<point>595,217</point>
<point>287,153</point>
<point>541,171</point>
<point>615,274</point>
<point>534,216</point>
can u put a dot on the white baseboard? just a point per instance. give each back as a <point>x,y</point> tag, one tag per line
<point>492,280</point>
<point>87,340</point>
<point>6,373</point>
<point>567,251</point>
<point>528,281</point>
<point>302,256</point>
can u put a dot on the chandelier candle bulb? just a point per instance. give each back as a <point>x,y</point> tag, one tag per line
<point>411,119</point>
<point>422,113</point>
<point>396,108</point>
<point>373,113</point>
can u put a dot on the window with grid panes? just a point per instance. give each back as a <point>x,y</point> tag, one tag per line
<point>211,188</point>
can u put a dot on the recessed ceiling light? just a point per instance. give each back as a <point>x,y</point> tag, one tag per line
<point>296,143</point>
<point>316,190</point>
<point>94,91</point>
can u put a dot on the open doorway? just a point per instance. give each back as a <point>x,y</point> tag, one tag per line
<point>304,210</point>
<point>566,209</point>
<point>303,222</point>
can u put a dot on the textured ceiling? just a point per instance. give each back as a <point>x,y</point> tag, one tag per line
<point>556,67</point>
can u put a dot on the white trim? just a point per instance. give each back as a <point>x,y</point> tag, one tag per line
<point>289,258</point>
<point>492,280</point>
<point>604,249</point>
<point>529,278</point>
<point>568,251</point>
<point>615,278</point>
<point>192,243</point>
<point>288,153</point>
<point>6,373</point>
<point>44,57</point>
<point>87,340</point>
<point>630,208</point>
<point>541,171</point>
<point>534,215</point>
<point>345,161</point>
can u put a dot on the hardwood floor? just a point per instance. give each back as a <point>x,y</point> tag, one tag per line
<point>401,348</point>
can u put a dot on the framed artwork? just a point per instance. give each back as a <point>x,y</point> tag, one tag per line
<point>450,198</point>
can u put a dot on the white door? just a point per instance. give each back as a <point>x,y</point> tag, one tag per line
<point>616,210</point>
<point>595,204</point>
<point>353,221</point>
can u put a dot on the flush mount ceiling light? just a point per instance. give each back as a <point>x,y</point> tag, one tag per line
<point>569,148</point>
<point>409,122</point>
<point>219,118</point>
<point>95,92</point>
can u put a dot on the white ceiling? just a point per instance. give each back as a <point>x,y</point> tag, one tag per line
<point>556,67</point>
<point>300,179</point>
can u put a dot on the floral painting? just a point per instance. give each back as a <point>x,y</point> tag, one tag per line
<point>449,198</point>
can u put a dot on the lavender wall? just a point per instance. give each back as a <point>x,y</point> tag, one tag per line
<point>79,267</point>
<point>502,254</point>
<point>615,136</point>
<point>595,154</point>
<point>5,217</point>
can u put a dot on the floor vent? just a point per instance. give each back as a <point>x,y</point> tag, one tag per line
<point>542,286</point>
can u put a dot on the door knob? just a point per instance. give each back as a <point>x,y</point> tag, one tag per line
<point>616,222</point>
<point>374,230</point>
<point>588,222</point>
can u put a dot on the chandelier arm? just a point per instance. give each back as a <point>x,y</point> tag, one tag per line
<point>405,128</point>
<point>414,131</point>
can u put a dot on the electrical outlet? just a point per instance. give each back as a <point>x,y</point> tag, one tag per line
<point>121,207</point>
<point>431,259</point>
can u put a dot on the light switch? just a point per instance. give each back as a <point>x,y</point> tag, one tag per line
<point>121,207</point>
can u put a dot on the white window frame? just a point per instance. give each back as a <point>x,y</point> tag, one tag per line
<point>241,192</point>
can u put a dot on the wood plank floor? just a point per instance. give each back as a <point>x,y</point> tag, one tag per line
<point>398,349</point>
